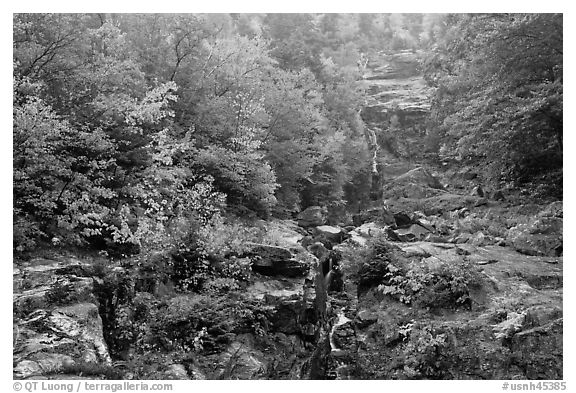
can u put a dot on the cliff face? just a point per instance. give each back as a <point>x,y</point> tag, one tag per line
<point>397,93</point>
<point>395,110</point>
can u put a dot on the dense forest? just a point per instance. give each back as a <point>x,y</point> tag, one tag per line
<point>133,129</point>
<point>178,139</point>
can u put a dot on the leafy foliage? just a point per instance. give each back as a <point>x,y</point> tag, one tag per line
<point>424,351</point>
<point>144,125</point>
<point>499,97</point>
<point>425,284</point>
<point>444,286</point>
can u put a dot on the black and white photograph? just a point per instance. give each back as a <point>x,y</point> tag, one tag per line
<point>286,196</point>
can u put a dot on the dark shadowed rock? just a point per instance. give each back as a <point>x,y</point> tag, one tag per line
<point>403,219</point>
<point>276,261</point>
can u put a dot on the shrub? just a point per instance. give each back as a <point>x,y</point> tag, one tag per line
<point>446,285</point>
<point>423,352</point>
<point>211,254</point>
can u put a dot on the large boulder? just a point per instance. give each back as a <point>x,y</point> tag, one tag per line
<point>542,235</point>
<point>48,342</point>
<point>276,261</point>
<point>329,234</point>
<point>312,216</point>
<point>57,323</point>
<point>534,244</point>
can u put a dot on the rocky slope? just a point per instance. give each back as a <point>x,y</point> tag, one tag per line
<point>403,294</point>
<point>84,319</point>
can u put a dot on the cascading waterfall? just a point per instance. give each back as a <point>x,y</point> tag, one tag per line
<point>373,141</point>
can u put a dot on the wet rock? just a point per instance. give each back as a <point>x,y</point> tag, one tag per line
<point>28,342</point>
<point>57,320</point>
<point>312,216</point>
<point>82,323</point>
